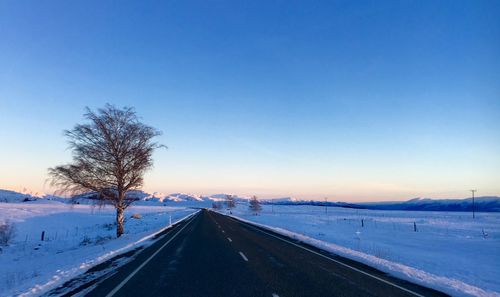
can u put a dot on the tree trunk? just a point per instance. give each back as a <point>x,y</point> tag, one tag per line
<point>119,221</point>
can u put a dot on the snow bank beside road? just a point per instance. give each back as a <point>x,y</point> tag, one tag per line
<point>76,238</point>
<point>449,251</point>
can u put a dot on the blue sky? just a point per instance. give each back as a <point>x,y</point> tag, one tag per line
<point>350,100</point>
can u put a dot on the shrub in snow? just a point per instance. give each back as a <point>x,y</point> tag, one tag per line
<point>230,202</point>
<point>136,216</point>
<point>254,205</point>
<point>109,226</point>
<point>86,241</point>
<point>102,239</point>
<point>7,232</point>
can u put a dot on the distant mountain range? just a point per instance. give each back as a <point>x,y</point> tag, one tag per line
<point>90,198</point>
<point>12,196</point>
<point>485,204</point>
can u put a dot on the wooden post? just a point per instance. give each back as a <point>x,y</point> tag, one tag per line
<point>414,226</point>
<point>473,208</point>
<point>43,235</point>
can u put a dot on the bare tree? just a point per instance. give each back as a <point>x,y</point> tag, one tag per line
<point>217,205</point>
<point>254,205</point>
<point>111,153</point>
<point>230,203</point>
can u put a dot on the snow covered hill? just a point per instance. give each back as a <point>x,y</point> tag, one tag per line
<point>481,204</point>
<point>141,196</point>
<point>15,197</point>
<point>491,203</point>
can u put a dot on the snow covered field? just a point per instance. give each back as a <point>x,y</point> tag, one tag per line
<point>76,238</point>
<point>449,252</point>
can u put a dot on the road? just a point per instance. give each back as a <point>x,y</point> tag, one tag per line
<point>215,255</point>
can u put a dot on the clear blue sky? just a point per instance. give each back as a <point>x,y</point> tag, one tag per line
<point>350,100</point>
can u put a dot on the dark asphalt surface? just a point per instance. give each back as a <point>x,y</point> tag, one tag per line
<point>214,255</point>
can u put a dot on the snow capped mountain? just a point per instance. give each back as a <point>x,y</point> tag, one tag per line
<point>221,196</point>
<point>89,198</point>
<point>13,197</point>
<point>278,200</point>
<point>488,204</point>
<point>175,197</point>
<point>186,197</point>
<point>139,195</point>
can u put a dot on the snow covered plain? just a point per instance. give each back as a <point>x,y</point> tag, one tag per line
<point>450,251</point>
<point>77,237</point>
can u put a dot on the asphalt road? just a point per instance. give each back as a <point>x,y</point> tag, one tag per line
<point>215,255</point>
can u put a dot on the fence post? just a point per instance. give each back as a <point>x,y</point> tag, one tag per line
<point>43,235</point>
<point>414,226</point>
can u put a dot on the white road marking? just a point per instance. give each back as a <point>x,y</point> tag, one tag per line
<point>243,256</point>
<point>333,260</point>
<point>120,285</point>
<point>275,295</point>
<point>230,240</point>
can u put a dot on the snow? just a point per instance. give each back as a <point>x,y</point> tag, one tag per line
<point>450,251</point>
<point>77,237</point>
<point>485,203</point>
<point>12,196</point>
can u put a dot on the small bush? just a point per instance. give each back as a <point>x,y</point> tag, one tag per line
<point>109,226</point>
<point>86,241</point>
<point>7,232</point>
<point>136,216</point>
<point>102,239</point>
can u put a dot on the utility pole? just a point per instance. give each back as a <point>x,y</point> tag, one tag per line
<point>473,208</point>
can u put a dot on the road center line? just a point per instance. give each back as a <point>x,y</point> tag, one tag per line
<point>120,285</point>
<point>230,240</point>
<point>243,256</point>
